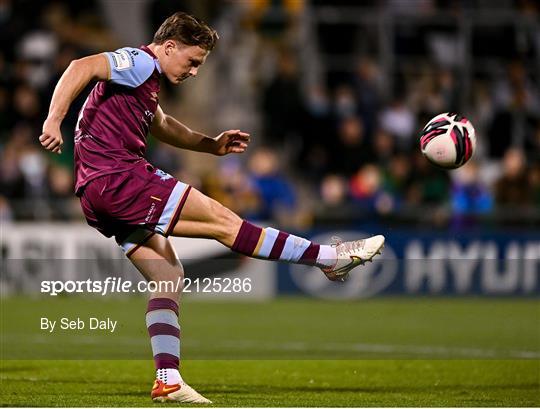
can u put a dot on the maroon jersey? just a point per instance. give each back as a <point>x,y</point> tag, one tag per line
<point>114,121</point>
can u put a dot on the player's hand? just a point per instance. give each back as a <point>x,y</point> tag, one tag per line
<point>51,138</point>
<point>233,141</point>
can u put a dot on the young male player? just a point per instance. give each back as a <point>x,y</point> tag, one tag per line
<point>124,196</point>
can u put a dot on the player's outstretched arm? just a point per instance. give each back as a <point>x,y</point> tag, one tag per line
<point>171,131</point>
<point>75,78</point>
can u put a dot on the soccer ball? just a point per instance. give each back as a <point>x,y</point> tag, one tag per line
<point>448,140</point>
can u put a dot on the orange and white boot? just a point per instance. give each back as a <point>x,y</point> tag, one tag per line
<point>169,386</point>
<point>180,392</point>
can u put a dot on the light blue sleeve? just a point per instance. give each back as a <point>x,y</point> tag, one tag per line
<point>130,66</point>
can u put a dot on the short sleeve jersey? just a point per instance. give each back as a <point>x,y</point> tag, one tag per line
<point>114,121</point>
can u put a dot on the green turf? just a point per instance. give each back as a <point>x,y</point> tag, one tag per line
<point>287,352</point>
<point>280,383</point>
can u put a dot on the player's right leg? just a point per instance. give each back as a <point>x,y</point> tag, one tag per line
<point>157,261</point>
<point>119,205</point>
<point>204,217</point>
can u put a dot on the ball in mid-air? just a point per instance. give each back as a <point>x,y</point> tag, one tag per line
<point>448,140</point>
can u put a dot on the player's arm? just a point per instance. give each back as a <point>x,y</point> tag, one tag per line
<point>76,77</point>
<point>171,131</point>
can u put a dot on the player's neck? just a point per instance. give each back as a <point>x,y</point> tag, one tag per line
<point>155,48</point>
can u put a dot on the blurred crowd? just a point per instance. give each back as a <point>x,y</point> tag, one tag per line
<point>340,148</point>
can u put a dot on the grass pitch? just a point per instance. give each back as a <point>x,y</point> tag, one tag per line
<point>286,352</point>
<point>279,383</point>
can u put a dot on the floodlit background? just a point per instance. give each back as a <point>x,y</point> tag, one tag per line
<point>334,94</point>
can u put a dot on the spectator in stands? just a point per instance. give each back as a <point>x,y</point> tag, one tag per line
<point>27,108</point>
<point>319,128</point>
<point>430,185</point>
<point>12,183</point>
<point>282,104</point>
<point>434,92</point>
<point>397,179</point>
<point>350,150</point>
<point>344,102</point>
<point>369,92</point>
<point>512,189</point>
<point>470,197</point>
<point>327,139</point>
<point>276,192</point>
<point>517,115</point>
<point>398,120</point>
<point>334,190</point>
<point>61,186</point>
<point>233,187</point>
<point>365,186</point>
<point>384,148</point>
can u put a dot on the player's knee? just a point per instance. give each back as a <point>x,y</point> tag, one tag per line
<point>170,280</point>
<point>175,270</point>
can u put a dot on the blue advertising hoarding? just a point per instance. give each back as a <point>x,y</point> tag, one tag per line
<point>431,263</point>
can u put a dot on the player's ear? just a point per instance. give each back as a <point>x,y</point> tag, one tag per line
<point>170,45</point>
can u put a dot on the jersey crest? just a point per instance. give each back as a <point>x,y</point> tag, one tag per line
<point>162,175</point>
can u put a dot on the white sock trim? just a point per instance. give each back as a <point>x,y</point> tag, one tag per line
<point>169,375</point>
<point>327,257</point>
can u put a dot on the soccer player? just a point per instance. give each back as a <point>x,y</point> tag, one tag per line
<point>124,196</point>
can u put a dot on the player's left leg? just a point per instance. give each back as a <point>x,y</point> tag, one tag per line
<point>206,218</point>
<point>149,197</point>
<point>157,261</point>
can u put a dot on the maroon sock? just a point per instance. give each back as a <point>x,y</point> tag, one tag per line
<point>162,323</point>
<point>247,238</point>
<point>310,255</point>
<point>272,244</point>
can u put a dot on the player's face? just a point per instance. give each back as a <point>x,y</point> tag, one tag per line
<point>182,62</point>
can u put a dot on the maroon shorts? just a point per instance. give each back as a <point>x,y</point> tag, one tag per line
<point>133,205</point>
